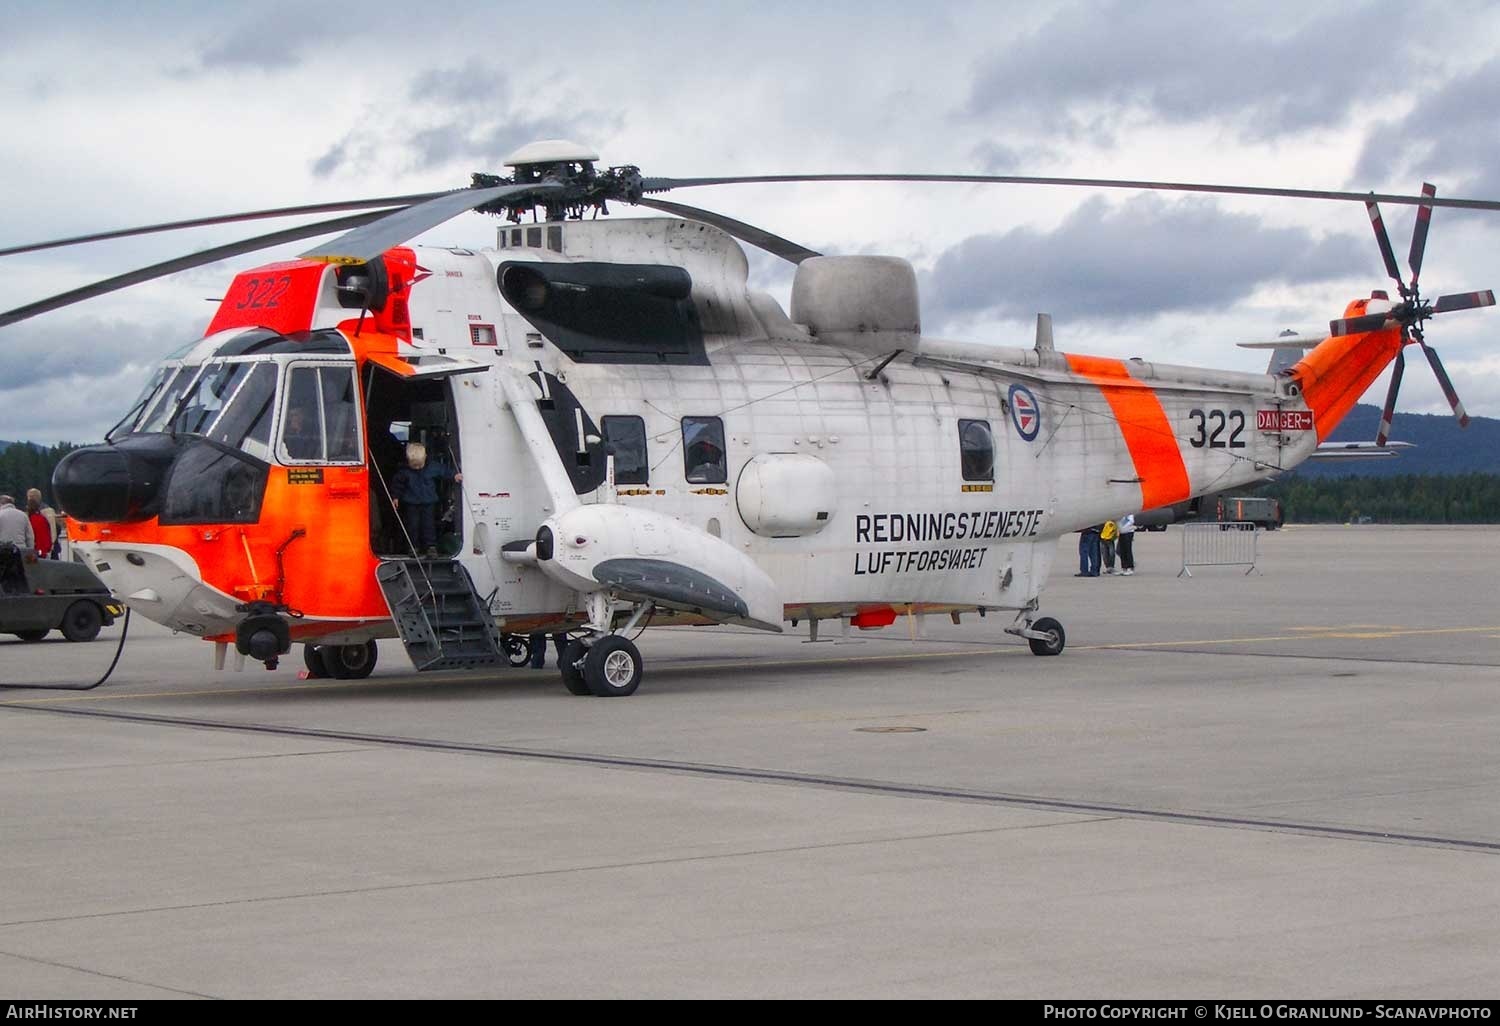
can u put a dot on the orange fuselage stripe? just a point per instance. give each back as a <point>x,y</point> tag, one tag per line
<point>1148,434</point>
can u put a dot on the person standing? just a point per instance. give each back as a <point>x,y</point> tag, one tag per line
<point>41,527</point>
<point>15,527</point>
<point>539,648</point>
<point>414,488</point>
<point>1088,551</point>
<point>1127,544</point>
<point>1107,544</point>
<point>54,524</point>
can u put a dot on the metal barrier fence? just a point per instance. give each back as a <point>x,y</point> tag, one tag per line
<point>1233,543</point>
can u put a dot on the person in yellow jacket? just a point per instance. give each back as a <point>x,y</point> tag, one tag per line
<point>1107,545</point>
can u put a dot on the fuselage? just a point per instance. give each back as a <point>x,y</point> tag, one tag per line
<point>861,484</point>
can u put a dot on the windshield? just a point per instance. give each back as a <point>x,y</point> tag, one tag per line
<point>160,406</point>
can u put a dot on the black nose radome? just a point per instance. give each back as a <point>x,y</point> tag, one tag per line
<point>116,483</point>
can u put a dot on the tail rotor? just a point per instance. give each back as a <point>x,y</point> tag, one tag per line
<point>1412,312</point>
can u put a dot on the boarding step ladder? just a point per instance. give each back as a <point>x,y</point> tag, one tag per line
<point>443,622</point>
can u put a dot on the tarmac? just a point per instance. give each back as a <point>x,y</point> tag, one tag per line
<point>1277,785</point>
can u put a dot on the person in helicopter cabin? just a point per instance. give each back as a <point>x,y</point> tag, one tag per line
<point>414,489</point>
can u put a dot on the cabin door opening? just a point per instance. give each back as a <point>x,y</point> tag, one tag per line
<point>398,412</point>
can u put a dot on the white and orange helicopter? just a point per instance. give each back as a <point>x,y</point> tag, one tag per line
<point>624,434</point>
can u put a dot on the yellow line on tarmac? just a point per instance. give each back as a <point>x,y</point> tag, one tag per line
<point>1294,637</point>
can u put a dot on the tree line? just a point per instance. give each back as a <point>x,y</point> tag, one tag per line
<point>1400,499</point>
<point>24,466</point>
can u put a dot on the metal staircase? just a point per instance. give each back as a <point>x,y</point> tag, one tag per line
<point>442,621</point>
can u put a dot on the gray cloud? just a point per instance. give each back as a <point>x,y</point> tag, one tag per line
<point>1092,63</point>
<point>1144,257</point>
<point>1450,137</point>
<point>455,117</point>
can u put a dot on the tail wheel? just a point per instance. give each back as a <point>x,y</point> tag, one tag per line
<point>1050,646</point>
<point>82,622</point>
<point>349,662</point>
<point>312,658</point>
<point>612,668</point>
<point>517,650</point>
<point>571,664</point>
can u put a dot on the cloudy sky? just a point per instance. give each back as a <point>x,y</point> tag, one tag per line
<point>118,115</point>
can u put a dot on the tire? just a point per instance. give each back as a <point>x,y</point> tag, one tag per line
<point>312,658</point>
<point>33,635</point>
<point>612,668</point>
<point>1052,646</point>
<point>517,650</point>
<point>82,622</point>
<point>349,662</point>
<point>570,664</point>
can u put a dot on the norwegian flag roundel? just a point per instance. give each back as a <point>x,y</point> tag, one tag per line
<point>1025,412</point>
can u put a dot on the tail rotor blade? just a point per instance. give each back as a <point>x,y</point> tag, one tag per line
<point>1447,386</point>
<point>1389,411</point>
<point>1464,301</point>
<point>1419,234</point>
<point>1385,244</point>
<point>1355,325</point>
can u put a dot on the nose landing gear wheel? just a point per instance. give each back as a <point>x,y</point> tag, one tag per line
<point>1053,645</point>
<point>312,658</point>
<point>612,669</point>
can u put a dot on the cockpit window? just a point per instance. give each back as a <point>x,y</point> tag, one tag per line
<point>246,422</point>
<point>320,424</point>
<point>208,397</point>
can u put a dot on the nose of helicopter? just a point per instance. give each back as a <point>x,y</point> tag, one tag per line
<point>114,483</point>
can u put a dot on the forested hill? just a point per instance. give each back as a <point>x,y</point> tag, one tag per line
<point>1442,447</point>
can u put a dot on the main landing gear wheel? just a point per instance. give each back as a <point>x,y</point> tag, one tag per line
<point>612,668</point>
<point>349,662</point>
<point>1051,646</point>
<point>570,662</point>
<point>82,622</point>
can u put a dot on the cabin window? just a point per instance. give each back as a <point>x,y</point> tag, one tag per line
<point>703,450</point>
<point>534,238</point>
<point>554,239</point>
<point>320,423</point>
<point>976,450</point>
<point>626,438</point>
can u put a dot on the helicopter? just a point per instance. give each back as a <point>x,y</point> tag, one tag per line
<point>622,434</point>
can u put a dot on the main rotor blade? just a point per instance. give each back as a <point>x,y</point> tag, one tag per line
<point>1464,301</point>
<point>1355,325</point>
<point>1419,234</point>
<point>1389,410</point>
<point>664,184</point>
<point>1447,385</point>
<point>184,263</point>
<point>368,242</point>
<point>200,222</point>
<point>758,237</point>
<point>1385,245</point>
